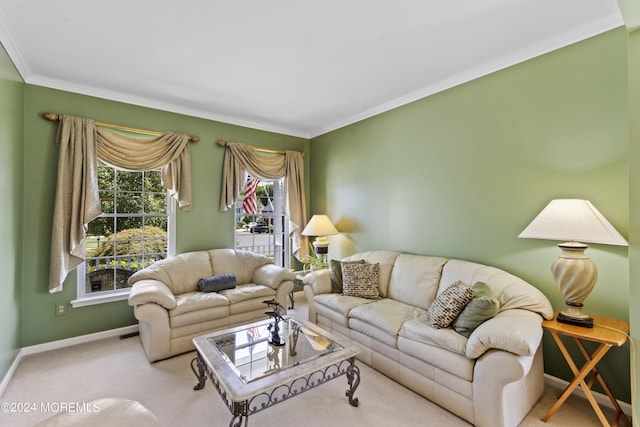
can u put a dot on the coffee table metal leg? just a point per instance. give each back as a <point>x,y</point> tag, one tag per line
<point>240,413</point>
<point>200,374</point>
<point>353,379</point>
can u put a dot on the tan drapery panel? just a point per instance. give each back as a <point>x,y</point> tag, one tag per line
<point>296,206</point>
<point>80,143</point>
<point>77,200</point>
<point>239,158</point>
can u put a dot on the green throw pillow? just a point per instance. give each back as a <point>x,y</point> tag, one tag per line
<point>482,307</point>
<point>336,274</point>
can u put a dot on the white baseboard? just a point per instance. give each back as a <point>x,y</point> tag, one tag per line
<point>54,345</point>
<point>602,399</point>
<point>10,372</point>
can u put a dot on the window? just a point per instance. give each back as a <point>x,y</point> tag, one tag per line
<point>133,232</point>
<point>267,231</point>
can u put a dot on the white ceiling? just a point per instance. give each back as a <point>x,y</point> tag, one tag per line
<point>298,67</point>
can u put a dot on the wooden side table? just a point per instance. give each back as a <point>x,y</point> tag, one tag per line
<point>608,333</point>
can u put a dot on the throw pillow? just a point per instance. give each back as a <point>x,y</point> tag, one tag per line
<point>217,283</point>
<point>336,274</point>
<point>360,280</point>
<point>449,304</point>
<point>481,308</point>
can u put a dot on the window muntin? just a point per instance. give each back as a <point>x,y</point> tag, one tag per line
<point>134,230</point>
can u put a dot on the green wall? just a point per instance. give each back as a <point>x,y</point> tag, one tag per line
<point>462,172</point>
<point>11,114</point>
<point>201,228</point>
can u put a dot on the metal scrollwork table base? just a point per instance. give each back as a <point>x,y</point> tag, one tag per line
<point>244,400</point>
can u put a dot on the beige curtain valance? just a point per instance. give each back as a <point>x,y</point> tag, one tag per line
<point>77,202</point>
<point>170,152</point>
<point>239,158</point>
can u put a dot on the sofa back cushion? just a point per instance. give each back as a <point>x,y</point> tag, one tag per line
<point>512,291</point>
<point>415,279</point>
<point>180,273</point>
<point>386,259</point>
<point>240,263</point>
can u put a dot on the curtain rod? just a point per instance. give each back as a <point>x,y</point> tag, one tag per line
<point>54,117</point>
<point>223,143</point>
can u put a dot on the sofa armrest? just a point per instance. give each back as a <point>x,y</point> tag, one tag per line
<point>319,281</point>
<point>272,275</point>
<point>152,291</point>
<point>506,386</point>
<point>517,331</point>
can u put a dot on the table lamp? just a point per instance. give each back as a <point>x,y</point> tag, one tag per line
<point>573,221</point>
<point>320,226</point>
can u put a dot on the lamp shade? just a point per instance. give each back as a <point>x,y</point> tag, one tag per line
<point>573,220</point>
<point>319,225</point>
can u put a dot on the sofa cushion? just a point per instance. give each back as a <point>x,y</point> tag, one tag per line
<point>338,303</point>
<point>386,314</point>
<point>247,291</point>
<point>240,263</point>
<point>482,307</point>
<point>193,301</point>
<point>217,283</point>
<point>415,278</point>
<point>420,329</point>
<point>336,274</point>
<point>180,273</point>
<point>512,291</point>
<point>360,280</point>
<point>449,304</point>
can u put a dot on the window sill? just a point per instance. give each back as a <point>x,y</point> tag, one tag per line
<point>119,295</point>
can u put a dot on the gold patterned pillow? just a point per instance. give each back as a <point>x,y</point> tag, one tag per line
<point>360,280</point>
<point>449,304</point>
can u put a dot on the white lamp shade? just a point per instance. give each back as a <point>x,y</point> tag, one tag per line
<point>319,225</point>
<point>573,220</point>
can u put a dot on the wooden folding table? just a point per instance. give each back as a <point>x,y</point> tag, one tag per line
<point>608,333</point>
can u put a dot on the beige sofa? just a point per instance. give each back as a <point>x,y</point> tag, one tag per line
<point>172,311</point>
<point>491,379</point>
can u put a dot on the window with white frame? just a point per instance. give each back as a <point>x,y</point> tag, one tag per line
<point>134,231</point>
<point>260,222</point>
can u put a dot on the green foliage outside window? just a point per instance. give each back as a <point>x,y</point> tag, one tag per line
<point>137,193</point>
<point>132,241</point>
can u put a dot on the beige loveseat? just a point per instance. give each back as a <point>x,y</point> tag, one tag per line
<point>172,311</point>
<point>491,379</point>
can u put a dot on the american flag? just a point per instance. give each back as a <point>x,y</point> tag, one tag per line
<point>250,203</point>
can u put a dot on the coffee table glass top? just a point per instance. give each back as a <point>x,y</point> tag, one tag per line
<point>250,355</point>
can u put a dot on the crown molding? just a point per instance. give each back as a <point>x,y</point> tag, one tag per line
<point>572,36</point>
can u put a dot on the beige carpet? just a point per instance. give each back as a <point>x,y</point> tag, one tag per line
<point>118,368</point>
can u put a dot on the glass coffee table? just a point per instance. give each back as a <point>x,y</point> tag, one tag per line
<point>251,374</point>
